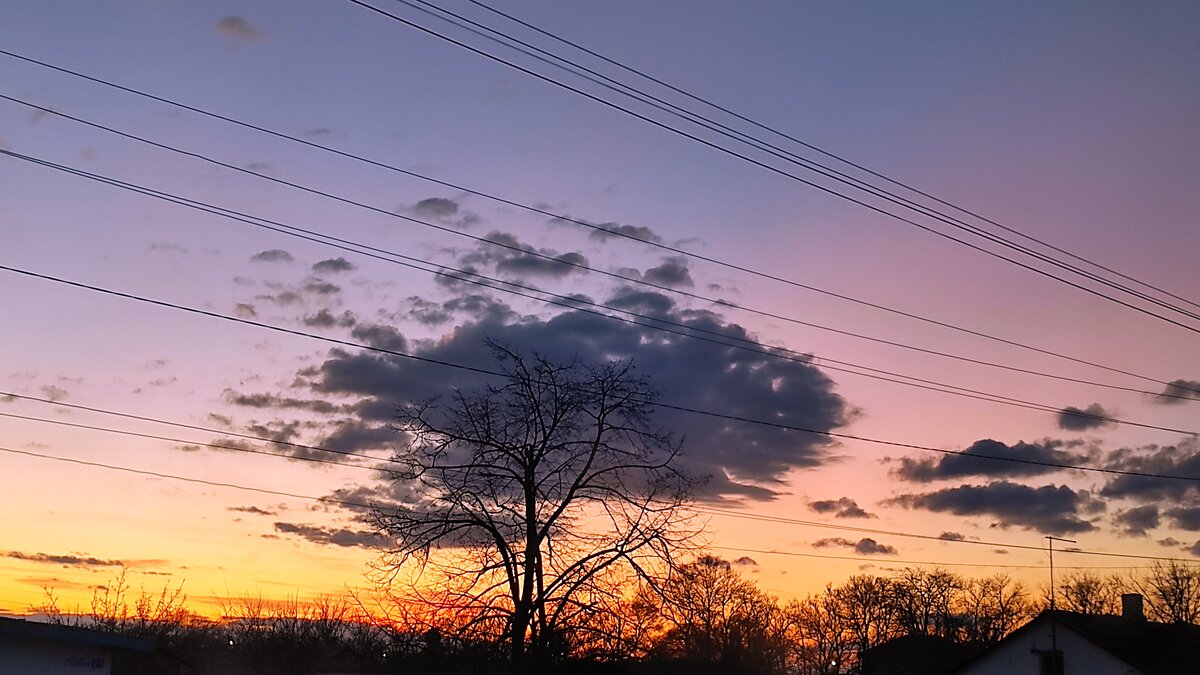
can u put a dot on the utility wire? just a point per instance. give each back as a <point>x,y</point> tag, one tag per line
<point>618,234</point>
<point>893,561</point>
<point>826,153</point>
<point>573,303</point>
<point>774,169</point>
<point>928,537</point>
<point>658,404</point>
<point>361,505</point>
<point>183,425</point>
<point>215,446</point>
<point>624,89</point>
<point>156,474</point>
<point>569,302</point>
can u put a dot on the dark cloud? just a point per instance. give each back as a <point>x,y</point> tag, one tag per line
<point>425,311</point>
<point>333,266</point>
<point>66,560</point>
<point>245,311</point>
<point>1081,419</point>
<point>326,319</point>
<point>277,430</point>
<point>275,401</point>
<point>1169,542</point>
<point>1179,391</point>
<point>480,308</point>
<point>320,287</point>
<point>1048,509</point>
<point>1138,520</point>
<point>353,436</point>
<point>1182,459</point>
<point>840,508</point>
<point>671,272</point>
<point>1183,517</point>
<point>516,258</point>
<point>381,336</point>
<point>649,303</point>
<point>238,28</point>
<point>613,231</point>
<point>331,536</point>
<point>742,460</point>
<point>746,561</point>
<point>319,132</point>
<point>974,460</point>
<point>952,536</point>
<point>272,255</point>
<point>53,392</point>
<point>442,210</point>
<point>285,298</point>
<point>251,509</point>
<point>864,546</point>
<point>436,207</point>
<point>869,546</point>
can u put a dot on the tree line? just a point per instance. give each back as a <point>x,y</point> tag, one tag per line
<point>707,618</point>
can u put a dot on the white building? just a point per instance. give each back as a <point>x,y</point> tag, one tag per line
<point>1067,643</point>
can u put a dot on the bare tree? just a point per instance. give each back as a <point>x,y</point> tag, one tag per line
<point>819,640</point>
<point>993,607</point>
<point>1089,593</point>
<point>865,607</point>
<point>715,615</point>
<point>1172,591</point>
<point>524,494</point>
<point>925,600</point>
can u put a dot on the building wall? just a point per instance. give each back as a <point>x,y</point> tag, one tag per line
<point>26,656</point>
<point>1016,655</point>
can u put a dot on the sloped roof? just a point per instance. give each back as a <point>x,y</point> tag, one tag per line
<point>1151,647</point>
<point>916,655</point>
<point>82,636</point>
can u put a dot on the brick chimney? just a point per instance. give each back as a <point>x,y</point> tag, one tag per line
<point>1131,607</point>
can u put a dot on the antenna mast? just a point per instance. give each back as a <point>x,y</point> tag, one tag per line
<point>1051,541</point>
<point>1054,633</point>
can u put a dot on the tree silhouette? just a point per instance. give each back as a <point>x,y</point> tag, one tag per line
<point>716,616</point>
<point>529,500</point>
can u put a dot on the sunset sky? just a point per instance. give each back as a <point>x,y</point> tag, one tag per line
<point>1077,123</point>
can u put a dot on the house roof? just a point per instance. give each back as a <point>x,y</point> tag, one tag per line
<point>916,655</point>
<point>1151,647</point>
<point>81,636</point>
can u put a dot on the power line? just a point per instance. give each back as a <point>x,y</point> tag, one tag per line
<point>361,505</point>
<point>826,153</point>
<point>893,561</point>
<point>183,425</point>
<point>775,169</point>
<point>215,446</point>
<point>575,303</point>
<point>156,474</point>
<point>570,302</point>
<point>619,234</point>
<point>927,537</point>
<point>658,103</point>
<point>658,404</point>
